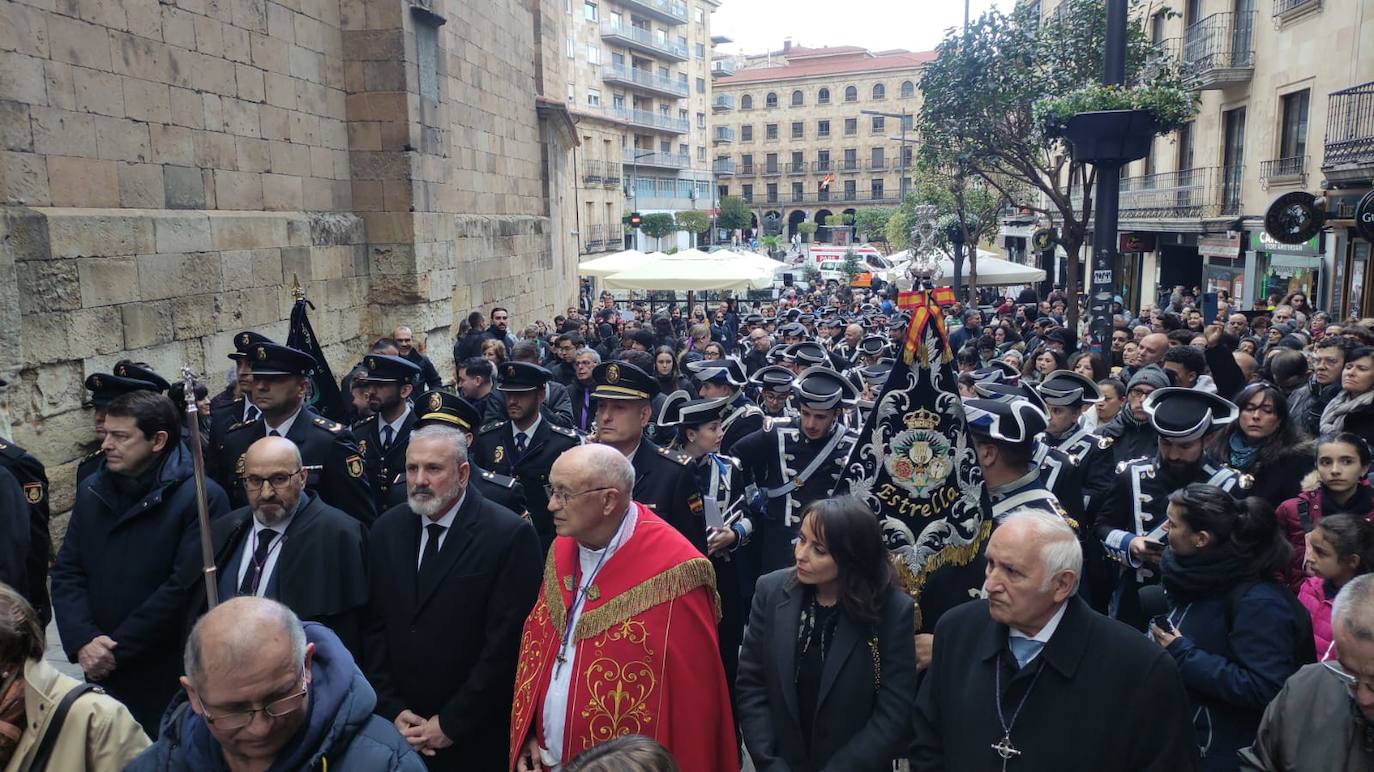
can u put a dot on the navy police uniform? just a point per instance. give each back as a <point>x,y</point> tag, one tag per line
<point>440,408</point>
<point>104,387</point>
<point>383,451</point>
<point>32,477</point>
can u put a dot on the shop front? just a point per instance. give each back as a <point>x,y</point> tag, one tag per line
<point>1350,261</point>
<point>1277,269</point>
<point>1223,266</point>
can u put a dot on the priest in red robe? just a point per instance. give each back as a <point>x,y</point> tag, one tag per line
<point>622,640</point>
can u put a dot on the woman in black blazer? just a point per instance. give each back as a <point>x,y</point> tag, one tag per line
<point>827,673</point>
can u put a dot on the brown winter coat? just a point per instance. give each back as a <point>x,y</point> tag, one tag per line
<point>99,735</point>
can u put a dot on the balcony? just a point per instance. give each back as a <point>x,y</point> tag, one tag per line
<point>649,120</point>
<point>1219,50</point>
<point>848,166</point>
<point>824,167</point>
<point>591,172</point>
<point>723,134</point>
<point>594,239</point>
<point>658,160</point>
<point>723,103</point>
<point>1349,146</point>
<point>1190,194</point>
<point>1288,10</point>
<point>644,41</point>
<point>1284,171</point>
<point>879,165</point>
<point>723,67</point>
<point>643,80</point>
<point>724,167</point>
<point>610,174</point>
<point>614,237</point>
<point>747,170</point>
<point>794,169</point>
<point>772,170</point>
<point>666,11</point>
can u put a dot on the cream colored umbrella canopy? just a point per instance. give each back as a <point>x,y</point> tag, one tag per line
<point>601,267</point>
<point>693,269</point>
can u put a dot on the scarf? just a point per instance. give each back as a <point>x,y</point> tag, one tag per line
<point>1207,574</point>
<point>11,715</point>
<point>1340,406</point>
<point>1242,451</point>
<point>1360,504</point>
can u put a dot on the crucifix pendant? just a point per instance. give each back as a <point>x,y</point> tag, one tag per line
<point>1006,750</point>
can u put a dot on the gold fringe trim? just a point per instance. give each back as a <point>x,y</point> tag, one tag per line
<point>956,556</point>
<point>667,586</point>
<point>553,597</point>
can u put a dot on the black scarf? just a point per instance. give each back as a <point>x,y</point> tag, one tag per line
<point>1359,504</point>
<point>1207,574</point>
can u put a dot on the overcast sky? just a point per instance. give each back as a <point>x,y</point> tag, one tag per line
<point>756,26</point>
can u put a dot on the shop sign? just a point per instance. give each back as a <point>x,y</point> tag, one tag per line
<point>1364,217</point>
<point>1137,242</point>
<point>1263,242</point>
<point>1219,246</point>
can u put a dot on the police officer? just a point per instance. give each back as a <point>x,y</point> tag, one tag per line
<point>443,408</point>
<point>1067,394</point>
<point>104,387</point>
<point>1132,514</point>
<point>32,477</point>
<point>226,411</point>
<point>337,473</point>
<point>791,464</point>
<point>725,379</point>
<point>663,478</point>
<point>1004,432</point>
<point>524,445</point>
<point>388,382</point>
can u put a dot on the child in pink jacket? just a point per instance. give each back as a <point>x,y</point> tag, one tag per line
<point>1339,548</point>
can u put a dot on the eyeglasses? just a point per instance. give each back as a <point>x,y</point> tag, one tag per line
<point>278,481</point>
<point>278,708</point>
<point>1351,682</point>
<point>562,495</point>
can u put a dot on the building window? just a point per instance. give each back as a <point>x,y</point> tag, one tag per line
<point>771,100</point>
<point>593,98</point>
<point>822,160</point>
<point>823,96</point>
<point>701,86</point>
<point>589,10</point>
<point>682,81</point>
<point>746,102</point>
<point>1185,147</point>
<point>682,149</point>
<point>851,126</point>
<point>746,161</point>
<point>618,101</point>
<point>851,158</point>
<point>593,53</point>
<point>798,191</point>
<point>797,163</point>
<point>770,163</point>
<point>571,47</point>
<point>876,159</point>
<point>851,190</point>
<point>746,133</point>
<point>908,89</point>
<point>567,6</point>
<point>879,91</point>
<point>1293,130</point>
<point>701,50</point>
<point>797,98</point>
<point>770,131</point>
<point>877,190</point>
<point>878,124</point>
<point>701,120</point>
<point>427,57</point>
<point>700,14</point>
<point>851,94</point>
<point>772,192</point>
<point>701,152</point>
<point>823,128</point>
<point>797,130</point>
<point>747,193</point>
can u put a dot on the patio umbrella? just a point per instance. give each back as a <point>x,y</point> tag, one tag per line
<point>601,267</point>
<point>692,270</point>
<point>753,258</point>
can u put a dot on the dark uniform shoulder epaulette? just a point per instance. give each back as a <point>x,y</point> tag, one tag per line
<point>499,479</point>
<point>325,423</point>
<point>491,426</point>
<point>1130,462</point>
<point>240,425</point>
<point>567,432</point>
<point>93,455</point>
<point>1105,442</point>
<point>675,455</point>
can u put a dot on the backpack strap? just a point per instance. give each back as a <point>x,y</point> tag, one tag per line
<point>1304,515</point>
<point>59,717</point>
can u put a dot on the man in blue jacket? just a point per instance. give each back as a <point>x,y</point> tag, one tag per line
<point>264,691</point>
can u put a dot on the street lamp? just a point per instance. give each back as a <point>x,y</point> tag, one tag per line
<point>901,155</point>
<point>634,179</point>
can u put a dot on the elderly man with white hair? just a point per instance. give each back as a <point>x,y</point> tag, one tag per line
<point>1032,678</point>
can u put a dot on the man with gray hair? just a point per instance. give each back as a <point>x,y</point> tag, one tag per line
<point>1323,719</point>
<point>452,576</point>
<point>264,691</point>
<point>1033,675</point>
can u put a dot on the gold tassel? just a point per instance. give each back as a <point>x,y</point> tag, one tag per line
<point>667,586</point>
<point>957,556</point>
<point>553,598</point>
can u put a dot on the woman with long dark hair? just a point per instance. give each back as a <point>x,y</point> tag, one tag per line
<point>1266,443</point>
<point>666,372</point>
<point>1235,633</point>
<point>1352,410</point>
<point>832,636</point>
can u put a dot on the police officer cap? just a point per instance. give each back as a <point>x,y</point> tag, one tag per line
<point>780,353</point>
<point>1014,420</point>
<point>809,353</point>
<point>1061,335</point>
<point>1066,388</point>
<point>873,344</point>
<point>275,359</point>
<point>1185,415</point>
<point>104,387</point>
<point>679,409</point>
<point>244,342</point>
<point>622,380</point>
<point>384,368</point>
<point>1009,392</point>
<point>727,370</point>
<point>140,373</point>
<point>822,388</point>
<point>521,376</point>
<point>441,408</point>
<point>754,320</point>
<point>775,378</point>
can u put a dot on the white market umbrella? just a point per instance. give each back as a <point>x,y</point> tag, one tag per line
<point>753,258</point>
<point>601,267</point>
<point>692,270</point>
<point>991,271</point>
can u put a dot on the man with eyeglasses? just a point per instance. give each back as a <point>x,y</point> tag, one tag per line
<point>263,690</point>
<point>280,545</point>
<point>1323,719</point>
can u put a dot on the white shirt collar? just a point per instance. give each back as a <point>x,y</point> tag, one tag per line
<point>447,520</point>
<point>395,425</point>
<point>529,433</point>
<point>1047,631</point>
<point>285,425</point>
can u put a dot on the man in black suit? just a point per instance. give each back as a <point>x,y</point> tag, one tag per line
<point>664,480</point>
<point>525,445</point>
<point>477,384</point>
<point>1034,677</point>
<point>453,576</point>
<point>405,347</point>
<point>335,466</point>
<point>388,382</point>
<point>290,546</point>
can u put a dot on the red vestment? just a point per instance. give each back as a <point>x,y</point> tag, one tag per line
<point>646,659</point>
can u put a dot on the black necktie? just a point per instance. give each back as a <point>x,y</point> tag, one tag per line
<point>386,438</point>
<point>251,577</point>
<point>431,546</point>
<point>252,413</point>
<point>520,444</point>
<point>273,433</point>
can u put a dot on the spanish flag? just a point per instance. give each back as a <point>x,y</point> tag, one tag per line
<point>825,183</point>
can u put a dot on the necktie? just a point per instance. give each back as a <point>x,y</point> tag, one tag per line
<point>252,413</point>
<point>1024,649</point>
<point>586,407</point>
<point>387,432</point>
<point>273,433</point>
<point>432,545</point>
<point>520,444</point>
<point>251,577</point>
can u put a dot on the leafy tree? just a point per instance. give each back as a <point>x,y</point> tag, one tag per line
<point>851,266</point>
<point>772,243</point>
<point>807,230</point>
<point>872,223</point>
<point>734,214</point>
<point>693,221</point>
<point>835,221</point>
<point>979,111</point>
<point>897,232</point>
<point>659,224</point>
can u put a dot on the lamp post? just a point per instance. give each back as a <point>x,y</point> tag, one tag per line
<point>1104,262</point>
<point>634,185</point>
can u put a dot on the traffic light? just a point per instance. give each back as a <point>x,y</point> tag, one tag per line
<point>635,220</point>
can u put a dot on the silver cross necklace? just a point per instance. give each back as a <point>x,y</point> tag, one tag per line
<point>1004,747</point>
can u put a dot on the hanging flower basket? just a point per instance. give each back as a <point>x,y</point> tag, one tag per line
<point>1114,124</point>
<point>1110,136</point>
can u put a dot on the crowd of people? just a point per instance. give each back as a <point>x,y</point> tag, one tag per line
<point>625,539</point>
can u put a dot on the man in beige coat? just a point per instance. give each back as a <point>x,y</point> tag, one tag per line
<point>98,735</point>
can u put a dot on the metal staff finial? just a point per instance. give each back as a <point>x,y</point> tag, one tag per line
<point>296,291</point>
<point>207,549</point>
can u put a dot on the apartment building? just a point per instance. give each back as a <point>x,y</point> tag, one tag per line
<point>805,133</point>
<point>638,90</point>
<point>1287,103</point>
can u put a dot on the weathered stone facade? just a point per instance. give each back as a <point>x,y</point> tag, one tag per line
<point>168,168</point>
